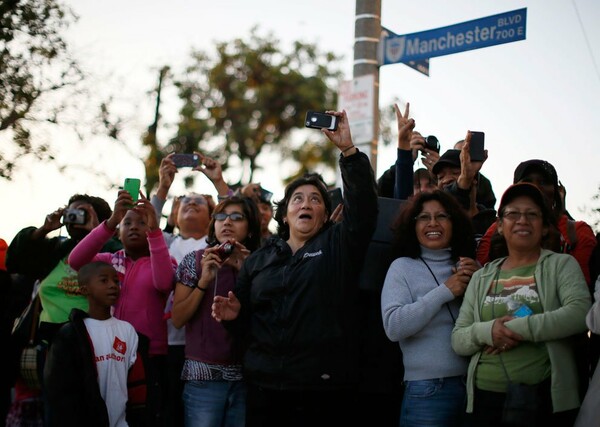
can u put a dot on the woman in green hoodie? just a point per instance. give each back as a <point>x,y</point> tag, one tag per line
<point>517,318</point>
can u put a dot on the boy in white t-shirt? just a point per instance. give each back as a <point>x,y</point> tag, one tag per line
<point>88,363</point>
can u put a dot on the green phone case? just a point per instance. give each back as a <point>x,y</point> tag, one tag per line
<point>132,185</point>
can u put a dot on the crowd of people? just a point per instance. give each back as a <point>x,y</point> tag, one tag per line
<point>213,319</point>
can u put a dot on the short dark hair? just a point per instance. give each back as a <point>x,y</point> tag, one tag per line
<point>89,270</point>
<point>249,209</point>
<point>314,179</point>
<point>405,242</point>
<point>101,207</point>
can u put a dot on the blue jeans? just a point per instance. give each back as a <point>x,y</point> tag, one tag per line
<point>439,402</point>
<point>214,403</point>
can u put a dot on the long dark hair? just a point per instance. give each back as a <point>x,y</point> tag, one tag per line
<point>405,242</point>
<point>249,209</point>
<point>314,179</point>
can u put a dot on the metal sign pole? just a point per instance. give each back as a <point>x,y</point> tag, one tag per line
<point>367,32</point>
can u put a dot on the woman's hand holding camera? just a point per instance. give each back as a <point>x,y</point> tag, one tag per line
<point>237,257</point>
<point>51,222</point>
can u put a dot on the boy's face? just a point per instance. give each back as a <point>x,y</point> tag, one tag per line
<point>104,286</point>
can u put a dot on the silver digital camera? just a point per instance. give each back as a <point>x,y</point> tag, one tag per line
<point>74,216</point>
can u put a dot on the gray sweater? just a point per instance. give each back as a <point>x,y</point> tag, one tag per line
<point>415,314</point>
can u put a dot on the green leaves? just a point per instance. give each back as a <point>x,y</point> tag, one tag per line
<point>250,94</point>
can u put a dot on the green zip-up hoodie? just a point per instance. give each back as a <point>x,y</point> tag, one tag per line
<point>565,299</point>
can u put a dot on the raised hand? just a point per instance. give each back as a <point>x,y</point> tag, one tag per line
<point>145,209</point>
<point>468,168</point>
<point>166,176</point>
<point>213,171</point>
<point>210,167</point>
<point>53,220</point>
<point>342,138</point>
<point>123,203</point>
<point>406,126</point>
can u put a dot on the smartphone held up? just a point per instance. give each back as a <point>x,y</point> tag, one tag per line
<point>477,146</point>
<point>318,120</point>
<point>132,186</point>
<point>186,160</point>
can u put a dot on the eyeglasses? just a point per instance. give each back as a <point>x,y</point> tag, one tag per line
<point>197,200</point>
<point>439,217</point>
<point>514,216</point>
<point>234,216</point>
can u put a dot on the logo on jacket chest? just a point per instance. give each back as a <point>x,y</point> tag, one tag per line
<point>313,254</point>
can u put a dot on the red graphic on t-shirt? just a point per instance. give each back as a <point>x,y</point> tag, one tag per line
<point>120,346</point>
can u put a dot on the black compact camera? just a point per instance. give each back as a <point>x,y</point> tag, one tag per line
<point>432,143</point>
<point>74,216</point>
<point>224,250</point>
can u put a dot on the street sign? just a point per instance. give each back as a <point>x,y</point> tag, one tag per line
<point>483,32</point>
<point>356,97</point>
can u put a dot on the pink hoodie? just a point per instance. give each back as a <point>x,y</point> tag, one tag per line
<point>145,282</point>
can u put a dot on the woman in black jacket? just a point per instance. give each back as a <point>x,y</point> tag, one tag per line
<point>294,305</point>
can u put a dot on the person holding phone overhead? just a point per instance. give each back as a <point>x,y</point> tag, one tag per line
<point>457,174</point>
<point>294,305</point>
<point>190,216</point>
<point>147,275</point>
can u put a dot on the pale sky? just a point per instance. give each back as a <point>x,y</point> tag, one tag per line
<point>537,98</point>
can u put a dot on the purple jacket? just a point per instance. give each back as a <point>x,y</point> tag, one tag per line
<point>206,339</point>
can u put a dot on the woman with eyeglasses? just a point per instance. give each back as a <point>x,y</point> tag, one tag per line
<point>517,319</point>
<point>434,249</point>
<point>214,393</point>
<point>295,302</point>
<point>186,231</point>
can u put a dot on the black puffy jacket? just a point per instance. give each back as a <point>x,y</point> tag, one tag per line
<point>299,311</point>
